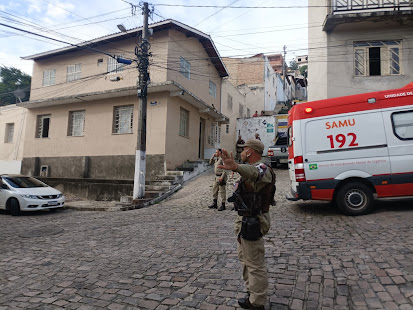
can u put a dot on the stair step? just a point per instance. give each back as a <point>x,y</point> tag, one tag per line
<point>126,199</point>
<point>165,177</point>
<point>185,168</point>
<point>160,182</point>
<point>138,202</point>
<point>179,173</point>
<point>154,187</point>
<point>153,194</point>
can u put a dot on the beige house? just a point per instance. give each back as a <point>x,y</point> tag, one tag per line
<point>83,112</point>
<point>12,121</point>
<point>360,46</point>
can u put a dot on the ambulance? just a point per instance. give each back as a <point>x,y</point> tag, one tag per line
<point>352,150</point>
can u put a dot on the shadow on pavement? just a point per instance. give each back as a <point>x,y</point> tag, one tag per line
<point>318,207</point>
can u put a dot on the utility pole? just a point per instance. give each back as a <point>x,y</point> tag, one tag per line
<point>143,64</point>
<point>284,73</point>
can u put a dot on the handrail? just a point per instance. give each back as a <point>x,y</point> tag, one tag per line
<point>341,6</point>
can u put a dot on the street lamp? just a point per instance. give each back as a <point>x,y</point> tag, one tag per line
<point>122,28</point>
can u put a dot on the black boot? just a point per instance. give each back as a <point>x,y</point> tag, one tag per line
<point>244,302</point>
<point>214,205</point>
<point>222,208</point>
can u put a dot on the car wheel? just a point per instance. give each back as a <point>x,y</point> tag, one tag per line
<point>355,199</point>
<point>273,164</point>
<point>14,207</point>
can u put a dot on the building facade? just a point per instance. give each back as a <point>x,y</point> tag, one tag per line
<point>12,125</point>
<point>82,117</point>
<point>360,46</point>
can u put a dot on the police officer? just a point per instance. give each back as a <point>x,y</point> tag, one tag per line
<point>256,191</point>
<point>220,181</point>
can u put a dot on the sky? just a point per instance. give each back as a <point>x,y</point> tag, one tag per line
<point>239,28</point>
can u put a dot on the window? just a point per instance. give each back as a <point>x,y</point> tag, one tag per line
<point>212,89</point>
<point>215,134</point>
<point>49,77</point>
<point>9,133</point>
<point>241,110</point>
<point>43,123</point>
<point>185,68</point>
<point>229,103</point>
<point>76,123</point>
<point>377,58</point>
<point>184,123</point>
<point>123,119</point>
<point>403,125</point>
<point>114,66</point>
<point>268,72</point>
<point>226,128</point>
<point>73,72</point>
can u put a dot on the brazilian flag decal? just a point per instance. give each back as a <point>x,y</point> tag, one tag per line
<point>313,167</point>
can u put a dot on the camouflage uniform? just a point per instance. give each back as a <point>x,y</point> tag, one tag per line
<point>219,173</point>
<point>251,253</point>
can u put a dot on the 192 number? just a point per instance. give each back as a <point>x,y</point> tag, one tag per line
<point>341,140</point>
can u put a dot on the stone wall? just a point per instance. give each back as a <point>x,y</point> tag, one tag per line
<point>92,177</point>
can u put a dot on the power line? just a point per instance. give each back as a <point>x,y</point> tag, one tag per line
<point>60,41</point>
<point>246,7</point>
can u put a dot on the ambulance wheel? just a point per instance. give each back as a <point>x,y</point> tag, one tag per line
<point>355,199</point>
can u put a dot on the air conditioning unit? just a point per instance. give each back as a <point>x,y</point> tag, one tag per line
<point>44,171</point>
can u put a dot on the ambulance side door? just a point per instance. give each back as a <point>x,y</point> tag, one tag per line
<point>346,145</point>
<point>399,131</point>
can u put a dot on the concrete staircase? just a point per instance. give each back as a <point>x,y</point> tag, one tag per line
<point>162,186</point>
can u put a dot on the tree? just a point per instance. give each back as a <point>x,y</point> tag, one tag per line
<point>304,71</point>
<point>293,65</point>
<point>14,85</point>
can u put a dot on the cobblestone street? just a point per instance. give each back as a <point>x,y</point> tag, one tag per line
<point>179,254</point>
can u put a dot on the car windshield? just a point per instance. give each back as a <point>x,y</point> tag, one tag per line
<point>24,182</point>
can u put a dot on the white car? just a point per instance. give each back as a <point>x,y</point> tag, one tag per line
<point>24,193</point>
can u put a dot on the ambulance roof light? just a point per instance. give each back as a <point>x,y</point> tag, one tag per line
<point>371,100</point>
<point>308,110</point>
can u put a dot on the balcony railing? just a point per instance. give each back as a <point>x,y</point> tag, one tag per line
<point>358,6</point>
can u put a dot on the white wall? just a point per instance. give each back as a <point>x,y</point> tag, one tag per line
<point>317,50</point>
<point>12,114</point>
<point>270,87</point>
<point>10,166</point>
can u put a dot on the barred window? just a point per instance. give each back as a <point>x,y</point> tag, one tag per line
<point>49,77</point>
<point>241,110</point>
<point>215,134</point>
<point>212,89</point>
<point>43,123</point>
<point>229,103</point>
<point>226,128</point>
<point>73,72</point>
<point>377,58</point>
<point>123,119</point>
<point>185,68</point>
<point>184,123</point>
<point>114,66</point>
<point>76,123</point>
<point>9,133</point>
